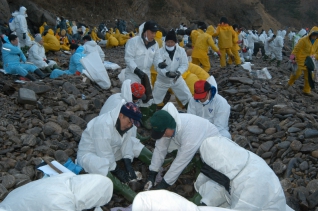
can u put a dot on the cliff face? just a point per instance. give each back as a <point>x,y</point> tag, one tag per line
<point>168,13</point>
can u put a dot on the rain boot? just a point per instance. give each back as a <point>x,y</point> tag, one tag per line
<point>145,119</point>
<point>30,77</point>
<point>195,162</point>
<point>142,138</point>
<point>196,199</point>
<point>146,155</point>
<point>122,189</point>
<point>41,74</point>
<point>47,69</point>
<point>56,67</point>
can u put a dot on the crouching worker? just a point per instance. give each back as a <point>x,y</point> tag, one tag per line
<point>65,191</point>
<point>176,131</point>
<point>107,139</point>
<point>38,58</point>
<point>12,57</point>
<point>75,66</point>
<point>236,178</point>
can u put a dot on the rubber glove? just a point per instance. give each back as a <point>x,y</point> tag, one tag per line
<point>139,73</point>
<point>162,185</point>
<point>219,53</point>
<point>24,36</point>
<point>170,74</point>
<point>162,65</point>
<point>130,169</point>
<point>151,180</point>
<point>120,174</point>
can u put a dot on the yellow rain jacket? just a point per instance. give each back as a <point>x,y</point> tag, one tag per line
<point>65,44</point>
<point>42,28</point>
<point>202,44</point>
<point>111,41</point>
<point>194,35</point>
<point>122,39</point>
<point>69,30</point>
<point>225,34</point>
<point>50,42</point>
<point>94,35</point>
<point>193,74</point>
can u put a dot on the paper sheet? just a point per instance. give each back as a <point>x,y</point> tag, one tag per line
<point>51,172</point>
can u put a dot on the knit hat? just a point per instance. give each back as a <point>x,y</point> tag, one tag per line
<point>160,121</point>
<point>201,89</point>
<point>171,35</point>
<point>224,20</point>
<point>132,111</point>
<point>138,90</point>
<point>38,38</point>
<point>150,25</point>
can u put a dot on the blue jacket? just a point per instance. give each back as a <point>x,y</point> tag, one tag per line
<point>75,64</point>
<point>11,55</point>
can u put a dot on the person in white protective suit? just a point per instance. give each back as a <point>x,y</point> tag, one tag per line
<point>167,201</point>
<point>208,104</point>
<point>141,52</point>
<point>235,178</point>
<point>299,35</point>
<point>262,37</point>
<point>38,58</point>
<point>176,63</point>
<point>134,92</point>
<point>278,44</point>
<point>251,38</point>
<point>91,46</point>
<point>291,34</point>
<point>268,46</point>
<point>65,191</point>
<point>107,139</point>
<point>21,27</point>
<point>176,131</point>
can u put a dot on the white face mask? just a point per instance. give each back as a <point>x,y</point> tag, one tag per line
<point>170,48</point>
<point>205,102</point>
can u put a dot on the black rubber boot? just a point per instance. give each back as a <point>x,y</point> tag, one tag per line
<point>30,77</point>
<point>41,74</point>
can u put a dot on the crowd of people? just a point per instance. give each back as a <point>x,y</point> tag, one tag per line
<point>228,176</point>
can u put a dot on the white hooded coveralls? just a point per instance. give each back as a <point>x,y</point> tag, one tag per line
<point>22,27</point>
<point>190,132</point>
<point>37,54</point>
<point>101,144</point>
<point>91,46</point>
<point>278,44</point>
<point>253,184</point>
<point>63,192</point>
<point>167,201</point>
<point>163,83</point>
<point>217,112</point>
<point>137,55</point>
<point>116,99</point>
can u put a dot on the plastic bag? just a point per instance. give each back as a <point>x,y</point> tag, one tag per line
<point>263,74</point>
<point>292,67</point>
<point>110,65</point>
<point>315,76</point>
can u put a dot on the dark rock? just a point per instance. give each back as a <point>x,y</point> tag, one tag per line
<point>3,192</point>
<point>303,166</point>
<point>283,145</point>
<point>279,167</point>
<point>29,171</point>
<point>34,131</point>
<point>242,80</point>
<point>61,156</point>
<point>309,147</point>
<point>293,130</point>
<point>70,88</point>
<point>38,89</point>
<point>254,129</point>
<point>310,133</point>
<point>76,131</point>
<point>51,128</point>
<point>28,140</point>
<point>296,145</point>
<point>312,186</point>
<point>313,200</point>
<point>8,181</point>
<point>26,96</point>
<point>266,146</point>
<point>78,121</point>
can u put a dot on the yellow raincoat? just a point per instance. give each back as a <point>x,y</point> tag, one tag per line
<point>304,48</point>
<point>94,35</point>
<point>226,35</point>
<point>42,28</point>
<point>193,74</point>
<point>111,41</point>
<point>50,42</point>
<point>65,44</point>
<point>235,51</point>
<point>200,50</point>
<point>122,39</point>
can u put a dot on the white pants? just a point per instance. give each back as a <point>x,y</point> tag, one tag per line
<point>23,42</point>
<point>179,88</point>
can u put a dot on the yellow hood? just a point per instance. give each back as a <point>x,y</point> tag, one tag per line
<point>314,29</point>
<point>159,34</point>
<point>210,30</point>
<point>50,31</point>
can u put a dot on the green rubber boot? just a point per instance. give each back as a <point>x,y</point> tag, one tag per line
<point>196,199</point>
<point>142,138</point>
<point>56,67</point>
<point>122,189</point>
<point>146,155</point>
<point>194,163</point>
<point>47,69</point>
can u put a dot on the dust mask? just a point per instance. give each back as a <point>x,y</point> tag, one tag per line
<point>170,48</point>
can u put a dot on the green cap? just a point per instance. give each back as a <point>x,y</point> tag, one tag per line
<point>160,121</point>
